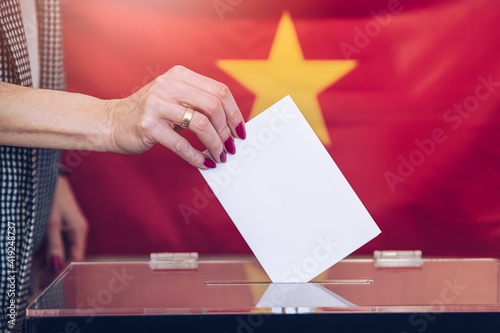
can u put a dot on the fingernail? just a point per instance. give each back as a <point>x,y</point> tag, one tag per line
<point>209,163</point>
<point>223,156</point>
<point>229,144</point>
<point>55,263</point>
<point>240,130</point>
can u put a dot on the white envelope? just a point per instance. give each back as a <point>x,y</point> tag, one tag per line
<point>288,198</point>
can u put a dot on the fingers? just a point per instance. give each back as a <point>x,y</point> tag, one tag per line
<point>162,123</point>
<point>76,240</point>
<point>75,225</point>
<point>75,232</point>
<point>55,244</point>
<point>170,139</point>
<point>204,129</point>
<point>216,114</point>
<point>67,229</point>
<point>213,99</point>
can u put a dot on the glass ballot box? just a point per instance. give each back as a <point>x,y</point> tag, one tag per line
<point>355,295</point>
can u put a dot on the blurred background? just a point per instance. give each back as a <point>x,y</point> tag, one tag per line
<point>409,110</point>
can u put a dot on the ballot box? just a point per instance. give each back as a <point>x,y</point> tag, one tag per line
<point>377,294</point>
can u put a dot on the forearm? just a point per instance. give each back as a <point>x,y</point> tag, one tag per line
<point>53,119</point>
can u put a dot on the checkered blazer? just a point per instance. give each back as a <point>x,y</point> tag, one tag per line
<point>27,175</point>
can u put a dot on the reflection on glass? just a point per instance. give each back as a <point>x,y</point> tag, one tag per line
<point>299,298</point>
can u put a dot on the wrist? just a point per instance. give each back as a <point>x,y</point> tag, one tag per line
<point>109,127</point>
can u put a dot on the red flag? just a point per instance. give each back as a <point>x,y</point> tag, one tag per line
<point>404,95</point>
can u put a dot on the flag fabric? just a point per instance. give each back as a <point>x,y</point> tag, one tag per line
<point>405,96</point>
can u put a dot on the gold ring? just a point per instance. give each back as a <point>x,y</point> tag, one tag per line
<point>186,119</point>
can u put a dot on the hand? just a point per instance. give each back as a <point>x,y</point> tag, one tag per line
<point>153,114</point>
<point>66,235</point>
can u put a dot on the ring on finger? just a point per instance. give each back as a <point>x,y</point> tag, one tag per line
<point>186,119</point>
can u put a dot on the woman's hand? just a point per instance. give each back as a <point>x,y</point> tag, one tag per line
<point>153,115</point>
<point>66,235</point>
<point>67,229</point>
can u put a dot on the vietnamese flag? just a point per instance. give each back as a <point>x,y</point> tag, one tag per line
<point>405,95</point>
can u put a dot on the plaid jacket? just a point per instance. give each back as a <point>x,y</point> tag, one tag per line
<point>27,175</point>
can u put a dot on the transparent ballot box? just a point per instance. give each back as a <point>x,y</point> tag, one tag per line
<point>355,295</point>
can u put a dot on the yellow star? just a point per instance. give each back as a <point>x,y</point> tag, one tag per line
<point>286,72</point>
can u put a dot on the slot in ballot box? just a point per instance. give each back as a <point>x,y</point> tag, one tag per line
<point>355,295</point>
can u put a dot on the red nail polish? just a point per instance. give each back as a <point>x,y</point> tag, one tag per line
<point>240,130</point>
<point>55,264</point>
<point>223,156</point>
<point>229,144</point>
<point>209,163</point>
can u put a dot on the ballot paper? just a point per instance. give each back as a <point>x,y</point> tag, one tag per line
<point>288,198</point>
